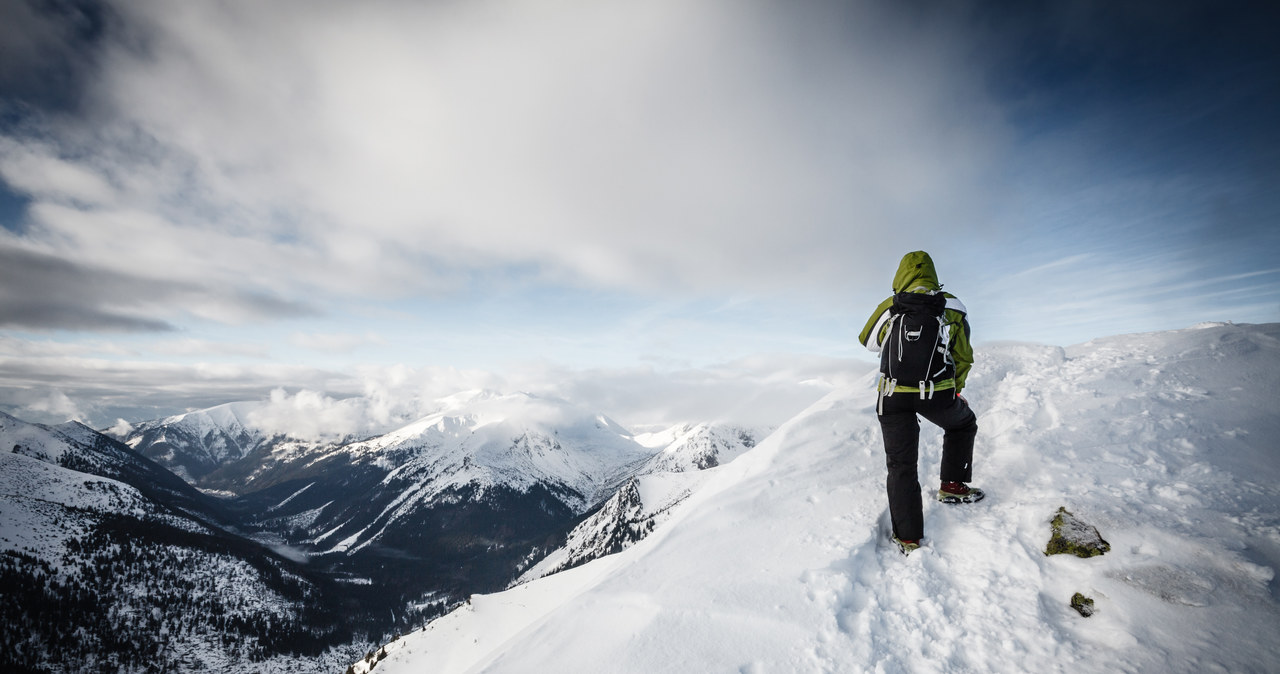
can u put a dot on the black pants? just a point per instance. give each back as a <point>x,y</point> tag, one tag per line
<point>901,432</point>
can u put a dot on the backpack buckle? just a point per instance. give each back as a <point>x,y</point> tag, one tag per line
<point>922,390</point>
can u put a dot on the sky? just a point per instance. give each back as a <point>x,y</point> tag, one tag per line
<point>672,210</point>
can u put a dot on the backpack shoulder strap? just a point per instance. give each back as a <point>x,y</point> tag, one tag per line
<point>875,338</point>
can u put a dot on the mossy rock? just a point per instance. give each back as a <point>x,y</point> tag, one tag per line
<point>1082,604</point>
<point>1073,537</point>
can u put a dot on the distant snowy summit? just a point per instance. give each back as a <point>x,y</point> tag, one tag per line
<point>195,444</point>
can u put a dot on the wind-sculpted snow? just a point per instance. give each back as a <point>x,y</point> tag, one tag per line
<point>779,561</point>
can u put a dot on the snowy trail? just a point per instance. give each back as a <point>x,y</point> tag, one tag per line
<point>781,564</point>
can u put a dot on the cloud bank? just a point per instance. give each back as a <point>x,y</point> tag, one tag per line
<point>396,148</point>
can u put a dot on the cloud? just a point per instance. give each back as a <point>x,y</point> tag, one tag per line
<point>34,169</point>
<point>121,429</point>
<point>397,149</point>
<point>308,415</point>
<point>759,392</point>
<point>104,388</point>
<point>43,382</point>
<point>41,291</point>
<point>48,50</point>
<point>54,405</point>
<point>44,292</point>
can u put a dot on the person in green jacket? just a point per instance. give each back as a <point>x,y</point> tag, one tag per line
<point>940,402</point>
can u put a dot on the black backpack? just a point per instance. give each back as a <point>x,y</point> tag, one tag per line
<point>916,348</point>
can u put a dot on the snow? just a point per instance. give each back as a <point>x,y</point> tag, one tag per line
<point>31,440</point>
<point>34,493</point>
<point>643,503</point>
<point>778,561</point>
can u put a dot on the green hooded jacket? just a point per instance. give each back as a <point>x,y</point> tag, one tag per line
<point>916,274</point>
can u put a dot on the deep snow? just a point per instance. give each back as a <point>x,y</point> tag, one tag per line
<point>1165,442</point>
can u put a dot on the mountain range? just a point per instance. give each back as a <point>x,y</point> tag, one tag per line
<point>350,541</point>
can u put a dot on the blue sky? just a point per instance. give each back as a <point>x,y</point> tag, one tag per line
<point>639,203</point>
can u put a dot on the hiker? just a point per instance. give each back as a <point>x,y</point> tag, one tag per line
<point>922,335</point>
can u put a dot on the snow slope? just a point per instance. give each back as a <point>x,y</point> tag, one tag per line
<point>778,562</point>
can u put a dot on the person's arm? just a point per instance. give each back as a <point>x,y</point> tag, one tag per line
<point>961,349</point>
<point>871,336</point>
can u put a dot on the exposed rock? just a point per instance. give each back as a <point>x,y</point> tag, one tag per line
<point>1082,604</point>
<point>1074,537</point>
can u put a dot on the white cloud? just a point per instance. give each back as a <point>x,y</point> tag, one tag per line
<point>36,170</point>
<point>391,148</point>
<point>121,429</point>
<point>308,415</point>
<point>50,405</point>
<point>313,404</point>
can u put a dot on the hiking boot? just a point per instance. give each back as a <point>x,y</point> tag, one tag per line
<point>959,492</point>
<point>907,547</point>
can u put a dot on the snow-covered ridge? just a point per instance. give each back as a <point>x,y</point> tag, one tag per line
<point>699,447</point>
<point>31,489</point>
<point>641,505</point>
<point>779,561</point>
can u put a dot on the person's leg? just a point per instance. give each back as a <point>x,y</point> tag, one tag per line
<point>960,427</point>
<point>901,433</point>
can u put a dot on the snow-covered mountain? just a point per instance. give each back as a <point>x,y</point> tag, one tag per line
<point>79,448</point>
<point>198,443</point>
<point>779,561</point>
<point>455,502</point>
<point>541,460</point>
<point>517,441</point>
<point>542,456</point>
<point>110,563</point>
<point>697,447</point>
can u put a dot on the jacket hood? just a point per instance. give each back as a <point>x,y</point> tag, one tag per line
<point>916,270</point>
